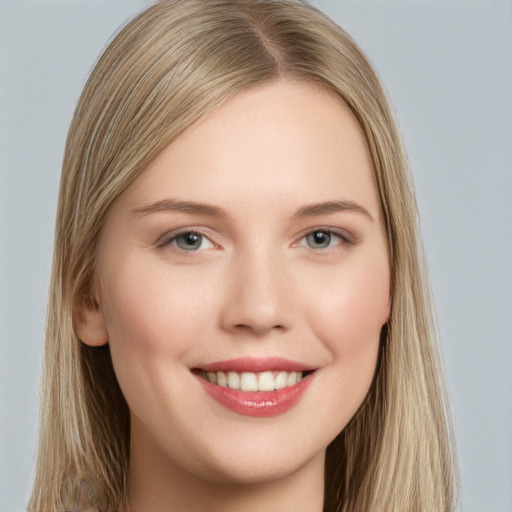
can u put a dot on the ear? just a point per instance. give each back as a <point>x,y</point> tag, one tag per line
<point>89,321</point>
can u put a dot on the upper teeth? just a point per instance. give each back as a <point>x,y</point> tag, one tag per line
<point>248,381</point>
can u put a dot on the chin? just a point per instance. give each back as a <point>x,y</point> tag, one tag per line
<point>257,470</point>
<point>260,459</point>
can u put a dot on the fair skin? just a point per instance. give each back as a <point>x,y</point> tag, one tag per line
<point>284,258</point>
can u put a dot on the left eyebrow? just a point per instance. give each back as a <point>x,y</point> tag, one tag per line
<point>327,207</point>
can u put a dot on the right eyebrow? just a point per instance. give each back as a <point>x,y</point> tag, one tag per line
<point>175,205</point>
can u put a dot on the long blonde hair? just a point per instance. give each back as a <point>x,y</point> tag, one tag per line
<point>170,66</point>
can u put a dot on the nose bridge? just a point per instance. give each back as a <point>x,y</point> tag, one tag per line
<point>257,298</point>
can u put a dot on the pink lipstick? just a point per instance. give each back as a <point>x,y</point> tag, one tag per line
<point>256,387</point>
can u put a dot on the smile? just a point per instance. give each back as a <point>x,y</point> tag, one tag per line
<point>256,387</point>
<point>249,381</point>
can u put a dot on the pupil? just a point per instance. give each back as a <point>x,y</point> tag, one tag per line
<point>191,238</point>
<point>320,239</point>
<point>189,241</point>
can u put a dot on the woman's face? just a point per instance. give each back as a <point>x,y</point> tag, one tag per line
<point>252,248</point>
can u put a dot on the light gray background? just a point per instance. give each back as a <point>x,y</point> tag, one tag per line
<point>448,68</point>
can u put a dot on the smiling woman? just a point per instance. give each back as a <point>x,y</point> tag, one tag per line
<point>268,311</point>
<point>239,318</point>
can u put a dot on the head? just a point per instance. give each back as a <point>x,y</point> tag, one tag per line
<point>173,66</point>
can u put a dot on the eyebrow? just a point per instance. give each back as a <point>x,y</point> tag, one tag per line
<point>193,207</point>
<point>176,205</point>
<point>327,207</point>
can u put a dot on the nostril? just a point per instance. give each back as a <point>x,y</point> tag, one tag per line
<point>259,329</point>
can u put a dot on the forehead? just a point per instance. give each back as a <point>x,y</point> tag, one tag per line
<point>280,142</point>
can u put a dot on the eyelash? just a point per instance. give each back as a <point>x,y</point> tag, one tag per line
<point>173,237</point>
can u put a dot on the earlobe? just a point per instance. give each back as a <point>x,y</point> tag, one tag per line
<point>89,322</point>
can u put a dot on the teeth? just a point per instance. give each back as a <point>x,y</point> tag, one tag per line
<point>249,381</point>
<point>233,380</point>
<point>291,379</point>
<point>280,380</point>
<point>222,379</point>
<point>266,381</point>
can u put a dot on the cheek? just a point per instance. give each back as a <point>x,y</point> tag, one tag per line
<point>151,316</point>
<point>348,319</point>
<point>353,307</point>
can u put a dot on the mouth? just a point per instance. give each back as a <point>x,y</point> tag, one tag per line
<point>254,381</point>
<point>256,387</point>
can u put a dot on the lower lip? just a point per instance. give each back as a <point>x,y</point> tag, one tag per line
<point>257,403</point>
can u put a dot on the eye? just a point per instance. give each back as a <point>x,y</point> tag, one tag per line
<point>319,239</point>
<point>189,241</point>
<point>323,239</point>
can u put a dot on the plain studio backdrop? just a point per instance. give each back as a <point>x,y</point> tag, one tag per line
<point>447,66</point>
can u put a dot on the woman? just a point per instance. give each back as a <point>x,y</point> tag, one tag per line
<point>239,317</point>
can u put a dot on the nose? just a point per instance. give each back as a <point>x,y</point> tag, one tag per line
<point>257,300</point>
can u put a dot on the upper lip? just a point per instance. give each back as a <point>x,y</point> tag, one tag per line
<point>255,365</point>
